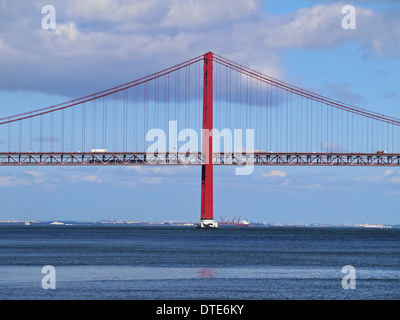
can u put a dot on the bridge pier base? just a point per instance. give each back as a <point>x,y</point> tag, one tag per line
<point>207,224</point>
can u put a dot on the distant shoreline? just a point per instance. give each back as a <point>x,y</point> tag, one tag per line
<point>112,222</point>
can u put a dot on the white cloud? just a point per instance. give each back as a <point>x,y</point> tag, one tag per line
<point>151,180</point>
<point>317,27</point>
<point>115,11</point>
<point>30,178</point>
<point>39,177</point>
<point>342,92</point>
<point>12,181</point>
<point>274,173</point>
<point>90,178</point>
<point>285,183</point>
<point>127,39</point>
<point>93,178</point>
<point>389,176</point>
<point>206,13</point>
<point>389,172</point>
<point>158,170</point>
<point>314,186</point>
<point>68,29</point>
<point>331,147</point>
<point>26,179</point>
<point>155,175</point>
<point>6,50</point>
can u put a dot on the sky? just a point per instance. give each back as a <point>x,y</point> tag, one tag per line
<point>100,44</point>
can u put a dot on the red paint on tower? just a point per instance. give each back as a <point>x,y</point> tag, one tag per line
<point>207,202</point>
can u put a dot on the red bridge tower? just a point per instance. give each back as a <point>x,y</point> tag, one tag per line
<point>207,201</point>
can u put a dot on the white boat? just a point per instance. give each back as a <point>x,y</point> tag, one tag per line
<point>244,222</point>
<point>375,226</point>
<point>57,223</point>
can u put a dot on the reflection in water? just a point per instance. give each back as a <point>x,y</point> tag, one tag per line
<point>207,273</point>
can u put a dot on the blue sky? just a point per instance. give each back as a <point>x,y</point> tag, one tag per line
<point>97,45</point>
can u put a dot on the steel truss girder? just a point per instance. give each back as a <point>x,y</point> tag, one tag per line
<point>197,158</point>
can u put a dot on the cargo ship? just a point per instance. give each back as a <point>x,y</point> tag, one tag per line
<point>238,223</point>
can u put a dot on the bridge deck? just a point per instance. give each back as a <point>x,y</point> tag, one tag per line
<point>197,158</point>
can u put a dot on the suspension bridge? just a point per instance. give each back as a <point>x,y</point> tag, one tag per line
<point>180,115</point>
